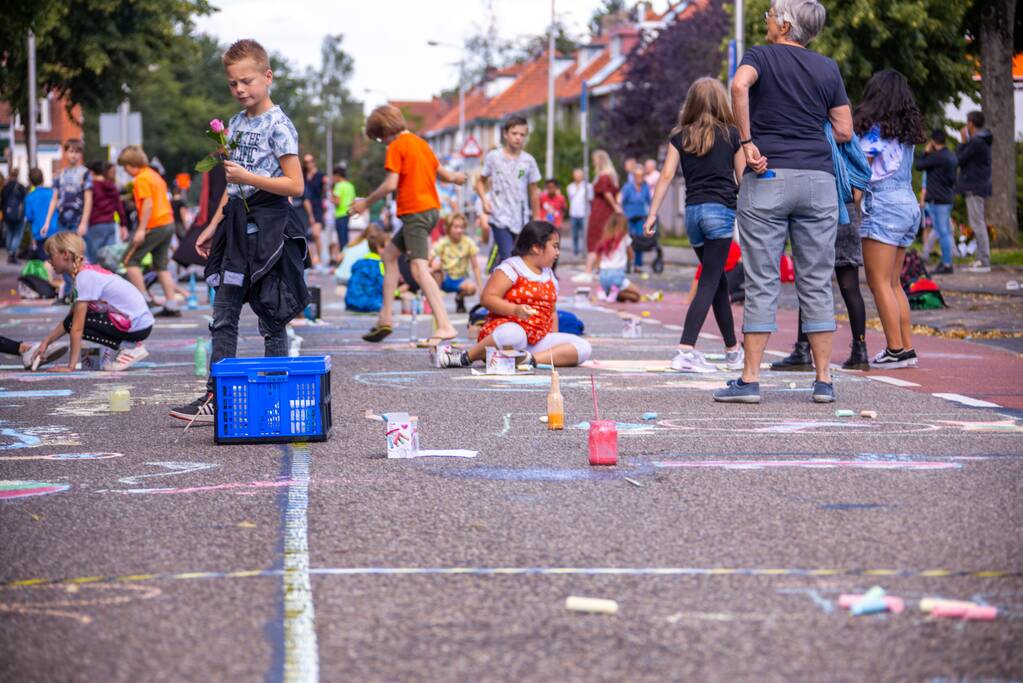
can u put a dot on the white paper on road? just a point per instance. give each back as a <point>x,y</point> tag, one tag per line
<point>456,453</point>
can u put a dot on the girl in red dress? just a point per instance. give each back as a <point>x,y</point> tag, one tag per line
<point>522,296</point>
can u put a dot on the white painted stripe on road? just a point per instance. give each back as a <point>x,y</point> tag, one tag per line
<point>668,326</point>
<point>301,656</point>
<point>894,381</point>
<point>708,335</point>
<point>779,354</point>
<point>967,401</point>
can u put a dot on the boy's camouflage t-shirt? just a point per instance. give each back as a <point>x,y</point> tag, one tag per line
<point>262,141</point>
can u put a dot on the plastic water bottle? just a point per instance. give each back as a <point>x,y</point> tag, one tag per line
<point>200,358</point>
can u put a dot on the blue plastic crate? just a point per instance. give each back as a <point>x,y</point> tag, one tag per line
<point>272,400</point>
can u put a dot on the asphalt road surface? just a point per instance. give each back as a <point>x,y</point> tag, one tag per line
<point>135,551</point>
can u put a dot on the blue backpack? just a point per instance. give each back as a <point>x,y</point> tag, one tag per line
<point>569,323</point>
<point>366,285</point>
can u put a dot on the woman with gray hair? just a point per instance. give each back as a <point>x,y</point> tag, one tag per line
<point>782,96</point>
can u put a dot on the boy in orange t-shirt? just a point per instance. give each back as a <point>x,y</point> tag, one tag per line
<point>412,171</point>
<point>155,227</point>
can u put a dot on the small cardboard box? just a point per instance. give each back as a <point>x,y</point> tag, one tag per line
<point>632,328</point>
<point>402,431</point>
<point>501,362</point>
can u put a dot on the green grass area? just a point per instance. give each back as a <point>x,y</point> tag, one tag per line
<point>1007,257</point>
<point>674,241</point>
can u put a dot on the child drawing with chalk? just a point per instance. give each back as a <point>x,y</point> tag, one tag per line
<point>105,309</point>
<point>614,251</point>
<point>521,297</point>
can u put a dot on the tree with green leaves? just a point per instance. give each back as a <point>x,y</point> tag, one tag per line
<point>86,49</point>
<point>996,27</point>
<point>922,39</point>
<point>568,148</point>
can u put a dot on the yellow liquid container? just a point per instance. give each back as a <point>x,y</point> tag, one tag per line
<point>555,404</point>
<point>120,401</point>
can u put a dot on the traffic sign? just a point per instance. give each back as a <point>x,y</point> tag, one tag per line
<point>471,148</point>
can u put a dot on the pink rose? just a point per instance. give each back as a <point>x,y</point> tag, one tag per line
<point>217,126</point>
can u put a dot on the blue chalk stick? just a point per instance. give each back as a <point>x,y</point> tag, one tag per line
<point>649,416</point>
<point>869,606</point>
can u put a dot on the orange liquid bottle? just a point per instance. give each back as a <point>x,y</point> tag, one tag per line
<point>555,404</point>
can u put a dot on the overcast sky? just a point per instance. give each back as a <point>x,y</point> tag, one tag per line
<point>387,40</point>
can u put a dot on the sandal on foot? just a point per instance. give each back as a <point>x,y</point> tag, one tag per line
<point>378,333</point>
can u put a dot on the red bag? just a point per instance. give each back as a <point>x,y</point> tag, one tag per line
<point>788,270</point>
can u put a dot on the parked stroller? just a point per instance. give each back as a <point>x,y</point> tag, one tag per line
<point>642,244</point>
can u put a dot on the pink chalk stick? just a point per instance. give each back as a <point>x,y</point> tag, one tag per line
<point>950,611</point>
<point>983,613</point>
<point>895,605</point>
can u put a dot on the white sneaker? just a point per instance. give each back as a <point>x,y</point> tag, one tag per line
<point>691,361</point>
<point>734,360</point>
<point>53,352</point>
<point>978,267</point>
<point>126,358</point>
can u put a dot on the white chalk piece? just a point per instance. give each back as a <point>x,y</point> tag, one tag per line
<point>842,412</point>
<point>543,418</point>
<point>575,603</point>
<point>634,482</point>
<point>792,385</point>
<point>869,414</point>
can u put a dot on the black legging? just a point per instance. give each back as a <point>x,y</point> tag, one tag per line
<point>8,345</point>
<point>712,289</point>
<point>100,330</point>
<point>849,285</point>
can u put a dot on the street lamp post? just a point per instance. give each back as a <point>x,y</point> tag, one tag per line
<point>33,103</point>
<point>460,141</point>
<point>549,161</point>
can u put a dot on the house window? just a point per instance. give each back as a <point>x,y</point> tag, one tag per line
<point>44,120</point>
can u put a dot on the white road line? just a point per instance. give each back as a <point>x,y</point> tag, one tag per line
<point>301,656</point>
<point>892,380</point>
<point>708,335</point>
<point>967,401</point>
<point>779,354</point>
<point>672,327</point>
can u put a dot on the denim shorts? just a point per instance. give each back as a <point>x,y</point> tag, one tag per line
<point>709,221</point>
<point>613,277</point>
<point>891,215</point>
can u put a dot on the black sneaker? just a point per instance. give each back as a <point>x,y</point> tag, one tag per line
<point>460,304</point>
<point>888,360</point>
<point>943,270</point>
<point>200,411</point>
<point>910,356</point>
<point>448,357</point>
<point>167,313</point>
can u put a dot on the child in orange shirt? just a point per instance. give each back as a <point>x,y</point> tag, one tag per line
<point>155,227</point>
<point>412,171</point>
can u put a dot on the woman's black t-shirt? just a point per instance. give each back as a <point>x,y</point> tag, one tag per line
<point>710,178</point>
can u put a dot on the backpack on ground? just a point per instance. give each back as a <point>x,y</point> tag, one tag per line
<point>570,323</point>
<point>32,287</point>
<point>923,292</point>
<point>366,285</point>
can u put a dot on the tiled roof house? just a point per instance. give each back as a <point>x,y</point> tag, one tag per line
<point>522,88</point>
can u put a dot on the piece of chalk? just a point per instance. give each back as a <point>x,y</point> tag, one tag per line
<point>869,606</point>
<point>633,482</point>
<point>792,385</point>
<point>874,592</point>
<point>543,418</point>
<point>870,414</point>
<point>544,366</point>
<point>645,314</point>
<point>981,613</point>
<point>577,603</point>
<point>895,605</point>
<point>842,412</point>
<point>928,604</point>
<point>649,416</point>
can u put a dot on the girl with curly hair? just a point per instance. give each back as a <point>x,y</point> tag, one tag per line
<point>889,124</point>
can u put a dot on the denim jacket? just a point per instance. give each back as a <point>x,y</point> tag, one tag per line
<point>851,170</point>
